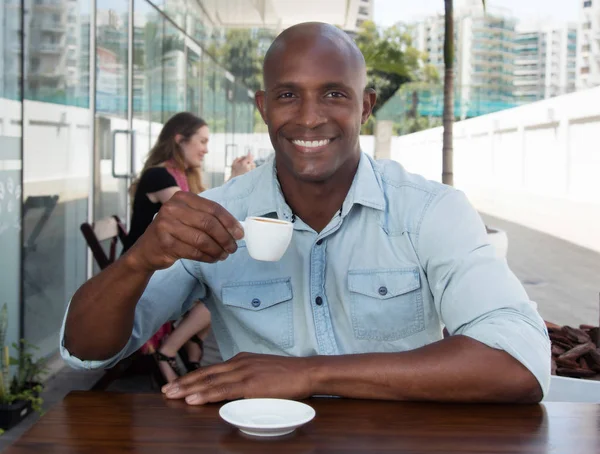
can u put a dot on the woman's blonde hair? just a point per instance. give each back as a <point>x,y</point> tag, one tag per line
<point>168,150</point>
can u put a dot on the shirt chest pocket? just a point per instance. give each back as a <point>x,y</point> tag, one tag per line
<point>262,309</point>
<point>386,305</point>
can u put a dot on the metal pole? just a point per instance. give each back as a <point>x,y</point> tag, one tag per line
<point>92,137</point>
<point>129,109</point>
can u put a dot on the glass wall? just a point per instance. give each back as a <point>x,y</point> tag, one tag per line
<point>58,156</point>
<point>10,163</point>
<point>56,162</point>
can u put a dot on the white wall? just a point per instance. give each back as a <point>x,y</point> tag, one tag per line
<point>537,165</point>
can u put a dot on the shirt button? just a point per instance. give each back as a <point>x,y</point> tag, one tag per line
<point>318,300</point>
<point>382,291</point>
<point>255,302</point>
<point>320,242</point>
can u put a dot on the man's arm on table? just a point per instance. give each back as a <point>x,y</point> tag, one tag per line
<point>499,350</point>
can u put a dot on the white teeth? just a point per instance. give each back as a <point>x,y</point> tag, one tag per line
<point>311,144</point>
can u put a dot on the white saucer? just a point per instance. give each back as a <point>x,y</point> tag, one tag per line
<point>266,417</point>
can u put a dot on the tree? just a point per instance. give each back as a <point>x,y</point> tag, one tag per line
<point>392,61</point>
<point>242,56</point>
<point>448,115</point>
<point>388,65</point>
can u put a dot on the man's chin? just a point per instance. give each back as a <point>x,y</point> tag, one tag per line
<point>312,175</point>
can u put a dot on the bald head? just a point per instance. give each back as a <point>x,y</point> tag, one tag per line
<point>318,37</point>
<point>314,103</point>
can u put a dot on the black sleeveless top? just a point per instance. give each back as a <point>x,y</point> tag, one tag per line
<point>152,180</point>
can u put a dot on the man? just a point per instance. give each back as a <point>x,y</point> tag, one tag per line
<point>379,262</point>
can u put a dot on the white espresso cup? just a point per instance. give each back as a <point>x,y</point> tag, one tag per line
<point>267,239</point>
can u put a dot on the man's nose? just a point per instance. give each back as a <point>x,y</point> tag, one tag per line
<point>311,114</point>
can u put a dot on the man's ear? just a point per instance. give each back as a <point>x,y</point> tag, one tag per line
<point>369,100</point>
<point>259,99</point>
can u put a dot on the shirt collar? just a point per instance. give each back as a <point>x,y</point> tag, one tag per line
<point>365,190</point>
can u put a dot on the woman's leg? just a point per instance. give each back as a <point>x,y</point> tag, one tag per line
<point>196,321</point>
<point>194,348</point>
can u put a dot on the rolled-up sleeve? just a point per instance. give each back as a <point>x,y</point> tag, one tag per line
<point>169,294</point>
<point>476,294</point>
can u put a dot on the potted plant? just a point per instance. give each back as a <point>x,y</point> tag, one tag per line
<point>21,395</point>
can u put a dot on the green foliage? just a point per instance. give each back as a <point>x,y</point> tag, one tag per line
<point>242,52</point>
<point>391,60</point>
<point>241,57</point>
<point>409,125</point>
<point>32,395</point>
<point>29,370</point>
<point>26,382</point>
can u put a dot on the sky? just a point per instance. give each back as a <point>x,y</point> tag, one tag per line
<point>388,12</point>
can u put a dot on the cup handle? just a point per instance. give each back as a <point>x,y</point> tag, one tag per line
<point>243,224</point>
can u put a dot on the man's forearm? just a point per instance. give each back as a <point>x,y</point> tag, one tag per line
<point>456,369</point>
<point>101,314</point>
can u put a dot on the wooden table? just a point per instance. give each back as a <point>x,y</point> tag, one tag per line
<point>101,422</point>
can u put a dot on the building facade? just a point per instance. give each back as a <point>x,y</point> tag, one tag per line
<point>545,63</point>
<point>484,43</point>
<point>588,46</point>
<point>365,12</point>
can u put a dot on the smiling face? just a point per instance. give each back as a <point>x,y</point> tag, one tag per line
<point>315,102</point>
<point>194,148</point>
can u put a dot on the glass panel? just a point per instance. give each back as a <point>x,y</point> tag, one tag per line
<point>221,153</point>
<point>174,68</point>
<point>147,76</point>
<point>194,82</point>
<point>176,10</point>
<point>111,107</point>
<point>10,163</point>
<point>213,161</point>
<point>198,25</point>
<point>111,58</point>
<point>56,162</point>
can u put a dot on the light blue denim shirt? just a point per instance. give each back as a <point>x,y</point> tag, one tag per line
<point>403,258</point>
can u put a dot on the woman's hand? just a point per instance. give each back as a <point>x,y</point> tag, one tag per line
<point>242,165</point>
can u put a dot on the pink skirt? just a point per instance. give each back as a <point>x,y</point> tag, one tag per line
<point>155,341</point>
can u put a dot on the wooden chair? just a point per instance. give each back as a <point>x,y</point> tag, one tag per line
<point>112,229</point>
<point>109,228</point>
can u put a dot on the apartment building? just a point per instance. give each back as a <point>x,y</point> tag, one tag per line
<point>545,62</point>
<point>588,46</point>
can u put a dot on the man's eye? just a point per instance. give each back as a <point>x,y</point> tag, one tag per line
<point>335,94</point>
<point>286,95</point>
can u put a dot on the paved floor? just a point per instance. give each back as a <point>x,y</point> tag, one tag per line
<point>564,279</point>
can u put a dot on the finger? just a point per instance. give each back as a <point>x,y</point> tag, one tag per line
<point>210,217</point>
<point>218,393</point>
<point>198,382</point>
<point>230,223</point>
<point>201,374</point>
<point>179,211</point>
<point>210,225</point>
<point>181,250</point>
<point>198,240</point>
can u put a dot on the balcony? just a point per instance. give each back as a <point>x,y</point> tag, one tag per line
<point>53,26</point>
<point>526,72</point>
<point>49,5</point>
<point>48,48</point>
<point>46,74</point>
